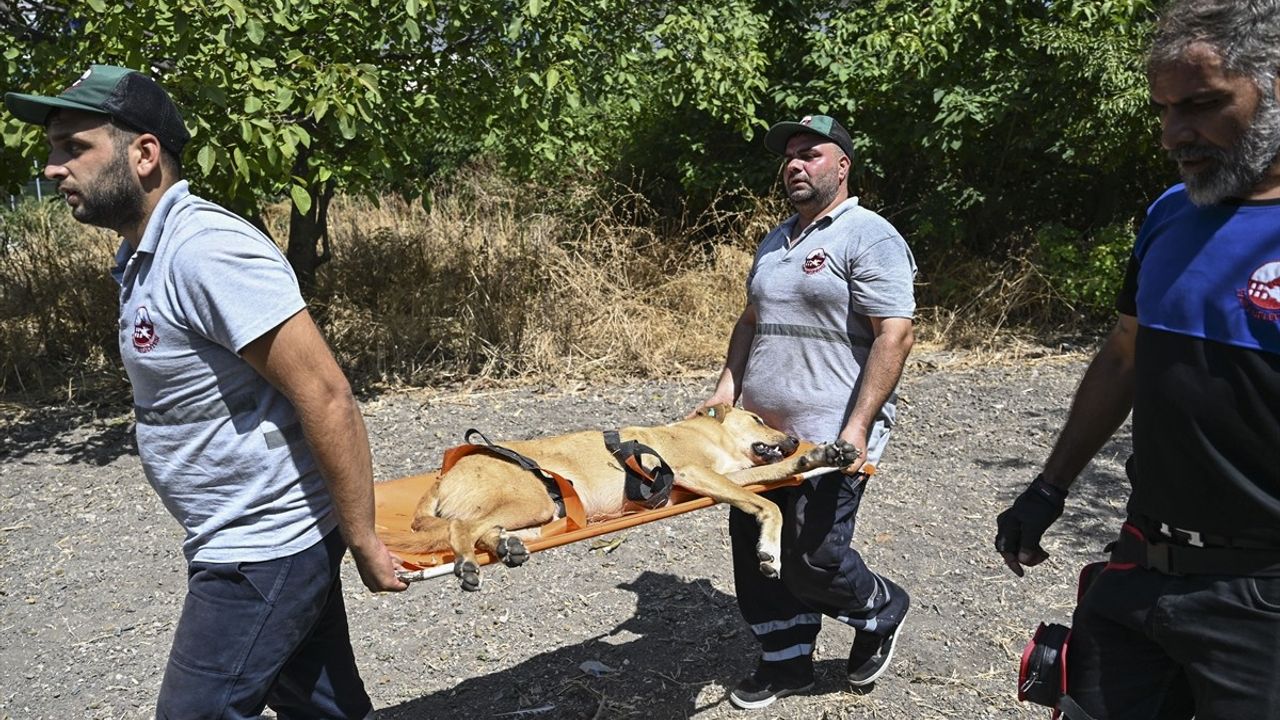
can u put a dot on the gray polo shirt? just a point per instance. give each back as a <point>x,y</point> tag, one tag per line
<point>812,333</point>
<point>220,445</point>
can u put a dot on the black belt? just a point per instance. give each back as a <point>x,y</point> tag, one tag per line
<point>1179,536</point>
<point>1173,559</point>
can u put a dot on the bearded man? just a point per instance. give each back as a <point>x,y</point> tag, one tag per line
<point>1185,619</point>
<point>246,426</point>
<point>818,352</point>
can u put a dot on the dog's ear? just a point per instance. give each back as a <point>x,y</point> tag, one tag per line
<point>716,411</point>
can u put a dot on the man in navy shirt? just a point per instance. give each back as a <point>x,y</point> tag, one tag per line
<point>1185,619</point>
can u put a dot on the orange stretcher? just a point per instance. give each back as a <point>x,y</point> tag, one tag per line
<point>396,500</point>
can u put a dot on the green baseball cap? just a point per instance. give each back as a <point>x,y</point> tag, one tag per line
<point>126,95</point>
<point>822,125</point>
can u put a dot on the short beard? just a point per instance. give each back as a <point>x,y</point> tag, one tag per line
<point>115,201</point>
<point>1236,170</point>
<point>816,196</point>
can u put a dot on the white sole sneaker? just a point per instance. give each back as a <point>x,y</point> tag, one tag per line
<point>888,658</point>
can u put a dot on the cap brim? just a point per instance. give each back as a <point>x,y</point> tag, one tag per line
<point>36,108</point>
<point>775,141</point>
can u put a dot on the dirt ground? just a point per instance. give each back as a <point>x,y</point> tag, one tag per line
<point>92,579</point>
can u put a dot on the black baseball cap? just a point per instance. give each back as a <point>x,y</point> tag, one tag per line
<point>126,95</point>
<point>823,125</point>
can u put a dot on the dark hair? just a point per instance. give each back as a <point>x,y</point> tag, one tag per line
<point>1245,33</point>
<point>122,134</point>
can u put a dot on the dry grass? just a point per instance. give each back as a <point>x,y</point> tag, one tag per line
<point>491,281</point>
<point>57,307</point>
<point>483,285</point>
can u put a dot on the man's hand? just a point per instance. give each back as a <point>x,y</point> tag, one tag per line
<point>857,438</point>
<point>377,568</point>
<point>1019,529</point>
<point>718,398</point>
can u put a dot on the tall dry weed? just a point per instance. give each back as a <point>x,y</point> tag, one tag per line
<point>57,305</point>
<point>484,284</point>
<point>491,279</point>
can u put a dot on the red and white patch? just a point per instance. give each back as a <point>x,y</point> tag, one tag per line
<point>806,120</point>
<point>814,261</point>
<point>1264,287</point>
<point>145,338</point>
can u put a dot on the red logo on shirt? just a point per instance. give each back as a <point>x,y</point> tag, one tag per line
<point>814,261</point>
<point>1261,298</point>
<point>144,332</point>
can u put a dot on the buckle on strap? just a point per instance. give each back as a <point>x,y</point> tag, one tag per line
<point>649,487</point>
<point>1190,537</point>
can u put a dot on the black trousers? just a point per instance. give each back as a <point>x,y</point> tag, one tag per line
<point>1149,646</point>
<point>821,573</point>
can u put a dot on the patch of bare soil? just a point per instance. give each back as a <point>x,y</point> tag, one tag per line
<point>92,578</point>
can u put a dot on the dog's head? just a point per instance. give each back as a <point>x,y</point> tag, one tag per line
<point>752,437</point>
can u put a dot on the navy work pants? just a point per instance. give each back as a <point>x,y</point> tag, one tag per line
<point>1150,646</point>
<point>821,573</point>
<point>265,633</point>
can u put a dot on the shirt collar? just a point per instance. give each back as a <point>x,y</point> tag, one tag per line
<point>155,226</point>
<point>825,221</point>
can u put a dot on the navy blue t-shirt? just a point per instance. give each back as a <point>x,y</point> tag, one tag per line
<point>1204,284</point>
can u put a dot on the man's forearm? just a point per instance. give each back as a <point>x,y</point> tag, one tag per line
<point>885,362</point>
<point>1101,404</point>
<point>338,439</point>
<point>729,386</point>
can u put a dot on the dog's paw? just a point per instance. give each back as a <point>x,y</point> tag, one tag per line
<point>468,572</point>
<point>840,453</point>
<point>512,551</point>
<point>770,563</point>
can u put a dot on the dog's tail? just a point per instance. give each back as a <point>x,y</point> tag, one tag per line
<point>432,538</point>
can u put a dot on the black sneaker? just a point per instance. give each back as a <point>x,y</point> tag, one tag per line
<point>771,681</point>
<point>871,654</point>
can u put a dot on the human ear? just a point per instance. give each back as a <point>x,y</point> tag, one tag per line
<point>148,154</point>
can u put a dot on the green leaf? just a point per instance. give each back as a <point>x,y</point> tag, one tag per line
<point>252,104</point>
<point>301,198</point>
<point>553,77</point>
<point>98,6</point>
<point>535,7</point>
<point>256,33</point>
<point>205,158</point>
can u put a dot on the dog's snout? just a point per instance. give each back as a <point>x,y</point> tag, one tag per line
<point>789,445</point>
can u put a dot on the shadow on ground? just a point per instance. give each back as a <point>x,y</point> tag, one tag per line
<point>1091,518</point>
<point>683,637</point>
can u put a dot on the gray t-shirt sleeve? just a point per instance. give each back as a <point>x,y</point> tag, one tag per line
<point>234,287</point>
<point>881,279</point>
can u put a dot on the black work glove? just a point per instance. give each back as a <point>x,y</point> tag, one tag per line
<point>1019,529</point>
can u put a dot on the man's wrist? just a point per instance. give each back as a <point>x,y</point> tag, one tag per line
<point>1050,491</point>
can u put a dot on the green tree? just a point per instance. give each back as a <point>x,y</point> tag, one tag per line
<point>301,98</point>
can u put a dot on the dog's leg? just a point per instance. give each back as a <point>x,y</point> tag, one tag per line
<point>492,534</point>
<point>722,489</point>
<point>462,538</point>
<point>836,454</point>
<point>505,545</point>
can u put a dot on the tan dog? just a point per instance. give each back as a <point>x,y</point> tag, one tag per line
<point>486,500</point>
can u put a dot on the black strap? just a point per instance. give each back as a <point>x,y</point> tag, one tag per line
<point>649,486</point>
<point>525,463</point>
<point>1189,560</point>
<point>1178,536</point>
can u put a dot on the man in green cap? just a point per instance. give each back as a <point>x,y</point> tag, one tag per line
<point>246,427</point>
<point>818,352</point>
